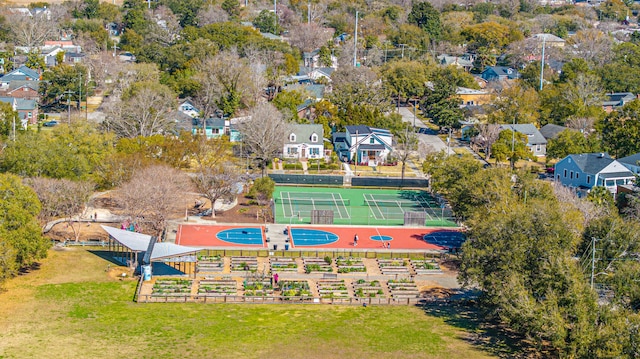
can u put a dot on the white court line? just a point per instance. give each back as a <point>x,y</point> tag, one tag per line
<point>368,201</point>
<point>346,211</point>
<point>338,207</point>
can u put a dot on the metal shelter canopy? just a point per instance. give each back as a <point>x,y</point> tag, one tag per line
<point>139,242</point>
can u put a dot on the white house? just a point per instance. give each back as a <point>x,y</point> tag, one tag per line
<point>304,141</point>
<point>363,144</point>
<point>631,162</point>
<point>187,107</point>
<point>536,143</point>
<point>587,170</point>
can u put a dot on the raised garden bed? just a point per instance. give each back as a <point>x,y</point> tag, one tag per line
<point>217,287</point>
<point>258,288</point>
<point>317,265</point>
<point>210,264</point>
<point>171,287</point>
<point>368,289</point>
<point>403,288</point>
<point>244,264</point>
<point>350,265</point>
<point>423,266</point>
<point>332,289</point>
<point>291,288</point>
<point>394,266</point>
<point>283,265</point>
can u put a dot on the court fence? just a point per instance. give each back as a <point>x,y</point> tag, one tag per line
<point>389,182</point>
<point>321,253</point>
<point>183,298</point>
<point>280,178</point>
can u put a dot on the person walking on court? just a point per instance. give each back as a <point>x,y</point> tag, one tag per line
<point>355,240</point>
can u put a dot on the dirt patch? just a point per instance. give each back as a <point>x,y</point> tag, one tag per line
<point>243,212</point>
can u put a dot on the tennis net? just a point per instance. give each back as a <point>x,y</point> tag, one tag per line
<point>404,204</point>
<point>315,201</point>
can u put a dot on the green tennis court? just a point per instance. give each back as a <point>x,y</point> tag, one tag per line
<point>357,206</point>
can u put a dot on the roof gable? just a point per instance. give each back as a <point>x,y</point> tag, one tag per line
<point>304,132</point>
<point>633,160</point>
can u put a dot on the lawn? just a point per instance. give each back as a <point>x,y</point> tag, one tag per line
<point>72,308</point>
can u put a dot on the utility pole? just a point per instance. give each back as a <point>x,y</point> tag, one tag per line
<point>309,13</point>
<point>403,45</point>
<point>513,142</point>
<point>355,43</point>
<point>415,103</point>
<point>14,128</point>
<point>149,3</point>
<point>69,93</point>
<point>275,17</point>
<point>114,49</point>
<point>355,171</point>
<point>542,62</point>
<point>593,260</point>
<point>80,94</point>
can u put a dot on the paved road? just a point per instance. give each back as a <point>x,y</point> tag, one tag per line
<point>429,139</point>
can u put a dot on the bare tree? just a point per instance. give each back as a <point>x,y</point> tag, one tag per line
<point>589,210</point>
<point>406,147</point>
<point>584,92</point>
<point>264,133</point>
<point>217,182</point>
<point>582,124</point>
<point>211,14</point>
<point>227,82</point>
<point>358,86</point>
<point>165,26</point>
<point>30,31</point>
<point>592,45</point>
<point>153,195</point>
<point>308,37</point>
<point>102,67</point>
<point>62,198</point>
<point>143,111</point>
<point>487,134</point>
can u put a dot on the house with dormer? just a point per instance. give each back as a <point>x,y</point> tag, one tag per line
<point>499,73</point>
<point>617,100</point>
<point>187,107</point>
<point>363,144</point>
<point>587,170</point>
<point>211,127</point>
<point>305,141</point>
<point>22,73</point>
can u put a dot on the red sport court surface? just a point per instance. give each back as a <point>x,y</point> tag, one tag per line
<point>401,237</point>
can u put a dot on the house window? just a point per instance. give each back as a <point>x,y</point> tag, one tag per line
<point>588,179</point>
<point>314,151</point>
<point>538,148</point>
<point>565,173</point>
<point>577,175</point>
<point>571,175</point>
<point>372,141</point>
<point>292,137</point>
<point>314,138</point>
<point>29,114</point>
<point>292,150</point>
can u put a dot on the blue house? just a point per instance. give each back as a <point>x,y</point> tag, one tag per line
<point>211,127</point>
<point>499,73</point>
<point>631,162</point>
<point>587,170</point>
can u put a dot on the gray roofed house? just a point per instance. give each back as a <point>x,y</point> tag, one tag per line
<point>549,40</point>
<point>536,143</point>
<point>211,127</point>
<point>364,144</point>
<point>632,162</point>
<point>551,131</point>
<point>587,170</point>
<point>22,73</point>
<point>617,100</point>
<point>499,73</point>
<point>304,141</point>
<point>464,62</point>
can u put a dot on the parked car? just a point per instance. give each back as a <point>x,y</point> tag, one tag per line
<point>50,123</point>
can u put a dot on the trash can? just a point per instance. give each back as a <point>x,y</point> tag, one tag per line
<point>286,246</point>
<point>275,247</point>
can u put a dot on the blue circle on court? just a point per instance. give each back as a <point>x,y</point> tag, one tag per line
<point>304,237</point>
<point>381,238</point>
<point>248,236</point>
<point>447,239</point>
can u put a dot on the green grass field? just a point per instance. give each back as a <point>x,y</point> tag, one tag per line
<point>356,211</point>
<point>71,308</point>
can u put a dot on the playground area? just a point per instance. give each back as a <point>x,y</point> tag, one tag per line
<point>358,206</point>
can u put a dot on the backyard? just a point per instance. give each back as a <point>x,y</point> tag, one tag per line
<point>77,305</point>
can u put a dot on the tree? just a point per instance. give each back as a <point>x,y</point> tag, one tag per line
<point>7,118</point>
<point>510,145</point>
<point>226,83</point>
<point>31,31</point>
<point>144,111</point>
<point>517,103</point>
<point>592,45</point>
<point>216,176</point>
<point>62,198</point>
<point>487,136</point>
<point>584,95</point>
<point>262,190</point>
<point>309,37</point>
<point>264,134</point>
<point>407,146</point>
<point>35,61</point>
<point>154,194</point>
<point>62,83</point>
<point>490,35</point>
<point>621,130</point>
<point>358,86</point>
<point>441,104</point>
<point>569,142</point>
<point>232,7</point>
<point>267,21</point>
<point>211,14</point>
<point>21,241</point>
<point>425,16</point>
<point>405,79</point>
